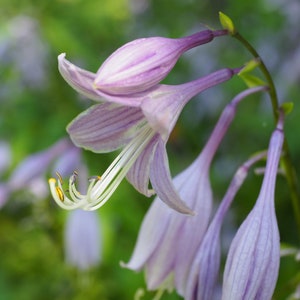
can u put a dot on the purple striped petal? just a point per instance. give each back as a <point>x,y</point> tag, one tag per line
<point>79,79</point>
<point>104,127</point>
<point>159,252</point>
<point>83,82</point>
<point>162,182</point>
<point>151,234</point>
<point>138,175</point>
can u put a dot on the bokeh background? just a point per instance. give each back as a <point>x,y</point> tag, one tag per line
<point>37,104</point>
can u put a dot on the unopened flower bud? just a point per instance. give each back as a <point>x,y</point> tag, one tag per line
<point>143,63</point>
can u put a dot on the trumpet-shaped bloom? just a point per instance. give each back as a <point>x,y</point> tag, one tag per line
<point>252,264</point>
<point>205,266</point>
<point>141,64</point>
<point>142,131</point>
<point>169,246</point>
<point>82,239</point>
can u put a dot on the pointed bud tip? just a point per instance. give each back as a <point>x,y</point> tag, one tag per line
<point>227,23</point>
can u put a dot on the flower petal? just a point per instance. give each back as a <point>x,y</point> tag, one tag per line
<point>138,174</point>
<point>104,127</point>
<point>150,235</point>
<point>83,82</point>
<point>198,194</point>
<point>162,182</point>
<point>79,79</point>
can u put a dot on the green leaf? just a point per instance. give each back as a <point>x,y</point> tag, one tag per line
<point>251,80</point>
<point>227,23</point>
<point>287,107</point>
<point>250,66</point>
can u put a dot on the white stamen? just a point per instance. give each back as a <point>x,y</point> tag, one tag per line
<point>101,188</point>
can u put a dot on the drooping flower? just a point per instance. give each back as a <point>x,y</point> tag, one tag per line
<point>29,173</point>
<point>203,275</point>
<point>168,241</point>
<point>144,130</point>
<point>83,239</point>
<point>137,66</point>
<point>252,264</point>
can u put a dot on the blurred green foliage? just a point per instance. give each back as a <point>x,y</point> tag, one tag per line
<point>33,117</point>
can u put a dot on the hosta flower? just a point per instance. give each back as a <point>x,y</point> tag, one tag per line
<point>167,247</point>
<point>140,64</point>
<point>82,239</point>
<point>142,130</point>
<point>28,174</point>
<point>204,271</point>
<point>252,264</point>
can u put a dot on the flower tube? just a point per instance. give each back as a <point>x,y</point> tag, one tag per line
<point>252,263</point>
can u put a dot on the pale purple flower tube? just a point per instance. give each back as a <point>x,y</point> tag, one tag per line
<point>252,264</point>
<point>139,65</point>
<point>83,239</point>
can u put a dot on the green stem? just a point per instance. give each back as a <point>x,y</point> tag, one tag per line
<point>289,169</point>
<point>265,71</point>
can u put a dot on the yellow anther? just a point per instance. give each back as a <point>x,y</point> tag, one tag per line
<point>60,193</point>
<point>96,177</point>
<point>59,177</point>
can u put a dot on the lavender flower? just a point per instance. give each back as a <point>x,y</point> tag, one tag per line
<point>204,271</point>
<point>168,247</point>
<point>137,66</point>
<point>82,239</point>
<point>143,125</point>
<point>29,173</point>
<point>252,264</point>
